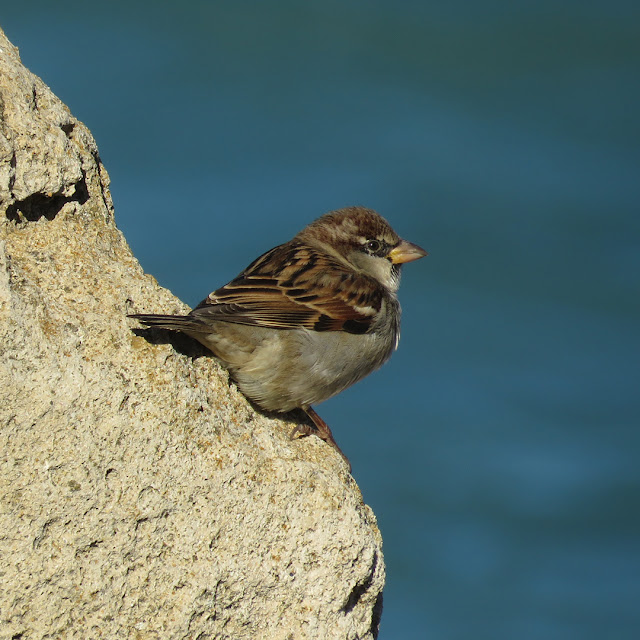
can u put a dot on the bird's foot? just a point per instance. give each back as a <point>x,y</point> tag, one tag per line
<point>320,429</point>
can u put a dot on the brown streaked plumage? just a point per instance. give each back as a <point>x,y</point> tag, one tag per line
<point>310,317</point>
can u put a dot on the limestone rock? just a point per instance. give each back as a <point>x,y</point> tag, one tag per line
<point>140,494</point>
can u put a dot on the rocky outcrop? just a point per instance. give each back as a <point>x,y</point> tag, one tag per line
<point>140,494</point>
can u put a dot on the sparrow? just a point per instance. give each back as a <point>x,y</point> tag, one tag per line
<point>308,318</point>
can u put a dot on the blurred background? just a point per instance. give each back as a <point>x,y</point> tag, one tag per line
<point>499,448</point>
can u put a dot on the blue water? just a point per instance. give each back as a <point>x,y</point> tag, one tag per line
<point>500,446</point>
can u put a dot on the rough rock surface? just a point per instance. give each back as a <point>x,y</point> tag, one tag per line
<point>140,495</point>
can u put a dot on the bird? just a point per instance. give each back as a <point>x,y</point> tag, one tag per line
<point>308,318</point>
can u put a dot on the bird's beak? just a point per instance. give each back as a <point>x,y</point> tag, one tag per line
<point>406,252</point>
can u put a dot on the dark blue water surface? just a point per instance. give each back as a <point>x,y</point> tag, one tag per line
<point>500,446</point>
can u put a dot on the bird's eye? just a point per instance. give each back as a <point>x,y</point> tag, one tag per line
<point>373,246</point>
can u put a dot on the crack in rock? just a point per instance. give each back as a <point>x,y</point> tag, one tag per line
<point>42,205</point>
<point>361,588</point>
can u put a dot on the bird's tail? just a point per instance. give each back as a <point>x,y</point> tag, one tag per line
<point>177,323</point>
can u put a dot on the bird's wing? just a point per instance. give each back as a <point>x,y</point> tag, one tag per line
<point>296,286</point>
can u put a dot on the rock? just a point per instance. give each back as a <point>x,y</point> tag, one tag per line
<point>141,496</point>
